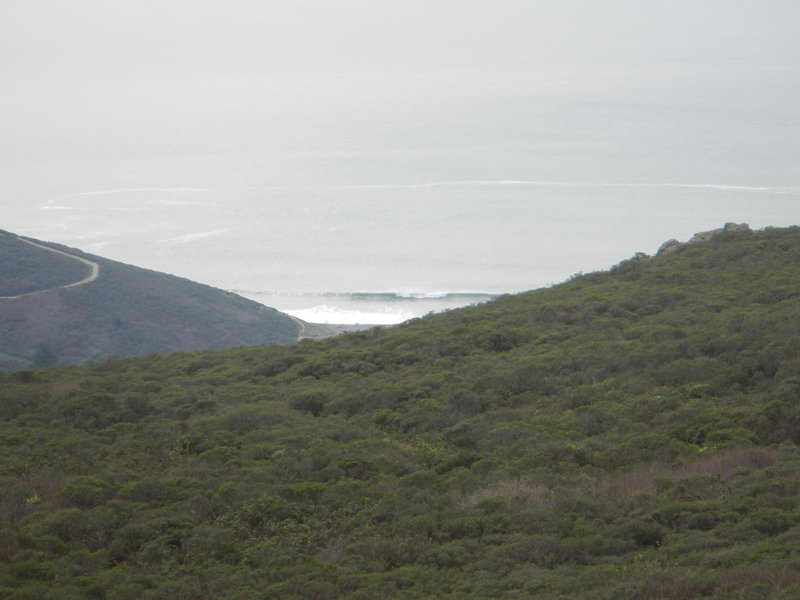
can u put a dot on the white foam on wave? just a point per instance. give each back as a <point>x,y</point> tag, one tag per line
<point>191,237</point>
<point>51,203</point>
<point>781,190</point>
<point>408,295</point>
<point>365,296</point>
<point>92,248</point>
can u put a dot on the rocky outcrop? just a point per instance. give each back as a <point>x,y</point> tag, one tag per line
<point>702,236</point>
<point>669,246</point>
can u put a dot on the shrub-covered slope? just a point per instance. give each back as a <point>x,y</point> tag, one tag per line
<point>126,311</point>
<point>627,434</point>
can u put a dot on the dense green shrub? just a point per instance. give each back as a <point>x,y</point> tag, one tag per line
<point>628,434</point>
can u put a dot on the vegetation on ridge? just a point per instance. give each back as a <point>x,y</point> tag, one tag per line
<point>627,434</point>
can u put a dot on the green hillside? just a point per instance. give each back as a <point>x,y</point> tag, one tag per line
<point>627,434</point>
<point>126,311</point>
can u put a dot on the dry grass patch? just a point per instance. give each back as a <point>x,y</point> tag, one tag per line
<point>514,492</point>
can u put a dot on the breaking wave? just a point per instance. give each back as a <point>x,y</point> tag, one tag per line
<point>376,296</point>
<point>781,190</point>
<point>374,308</point>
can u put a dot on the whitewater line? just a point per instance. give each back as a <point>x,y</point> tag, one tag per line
<point>129,190</point>
<point>94,274</point>
<point>50,204</point>
<point>781,190</point>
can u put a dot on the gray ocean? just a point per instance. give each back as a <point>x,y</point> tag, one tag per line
<point>384,192</point>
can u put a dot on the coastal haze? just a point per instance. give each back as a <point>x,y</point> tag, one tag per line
<point>373,161</point>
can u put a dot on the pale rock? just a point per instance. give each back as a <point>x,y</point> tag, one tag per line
<point>668,246</point>
<point>702,236</point>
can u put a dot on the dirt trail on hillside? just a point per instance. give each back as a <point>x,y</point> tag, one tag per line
<point>94,273</point>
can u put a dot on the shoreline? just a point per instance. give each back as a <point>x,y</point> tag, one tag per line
<point>321,331</point>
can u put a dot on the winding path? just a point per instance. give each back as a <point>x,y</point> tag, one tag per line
<point>93,274</point>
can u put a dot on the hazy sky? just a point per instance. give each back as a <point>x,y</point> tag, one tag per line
<point>76,41</point>
<point>75,68</point>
